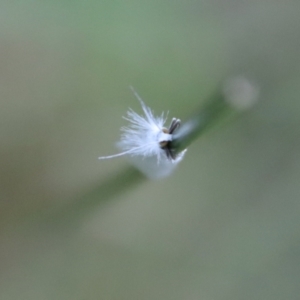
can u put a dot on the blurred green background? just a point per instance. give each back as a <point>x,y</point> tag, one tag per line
<point>225,225</point>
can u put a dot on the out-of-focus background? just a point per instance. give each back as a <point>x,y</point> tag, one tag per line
<point>225,225</point>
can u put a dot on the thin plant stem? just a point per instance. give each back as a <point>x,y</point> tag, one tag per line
<point>197,124</point>
<point>223,102</point>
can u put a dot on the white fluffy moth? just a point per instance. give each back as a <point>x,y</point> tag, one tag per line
<point>147,142</point>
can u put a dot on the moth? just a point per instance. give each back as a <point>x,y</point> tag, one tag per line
<point>148,142</point>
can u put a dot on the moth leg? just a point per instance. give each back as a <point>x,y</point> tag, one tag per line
<point>169,153</point>
<point>174,125</point>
